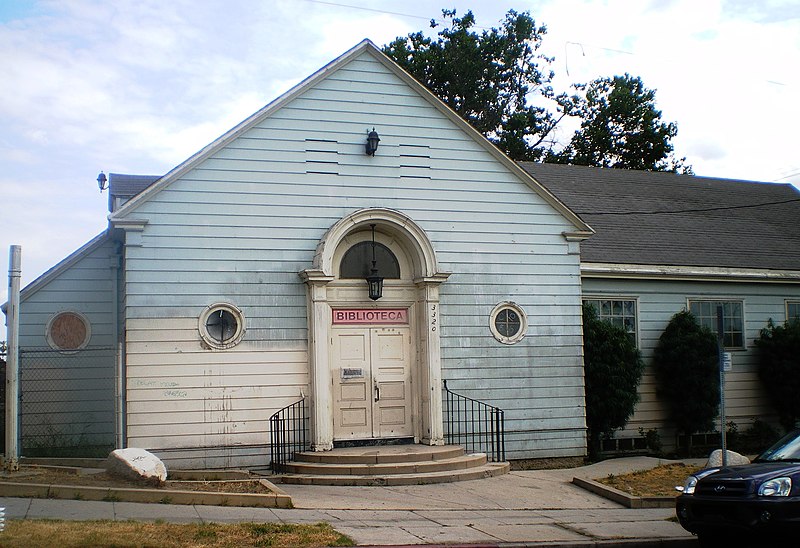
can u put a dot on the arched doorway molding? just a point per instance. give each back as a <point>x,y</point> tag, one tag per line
<point>426,277</point>
<point>390,221</point>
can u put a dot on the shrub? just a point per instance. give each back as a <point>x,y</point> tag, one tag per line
<point>612,369</point>
<point>779,368</point>
<point>754,440</point>
<point>686,364</point>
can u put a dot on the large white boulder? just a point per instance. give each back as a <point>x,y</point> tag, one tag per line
<point>136,464</point>
<point>734,458</point>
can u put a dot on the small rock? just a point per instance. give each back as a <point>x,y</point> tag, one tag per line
<point>734,458</point>
<point>136,464</point>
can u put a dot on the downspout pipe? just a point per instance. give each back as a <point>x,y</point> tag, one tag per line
<point>11,456</point>
<point>119,361</point>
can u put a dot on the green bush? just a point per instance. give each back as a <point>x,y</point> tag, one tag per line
<point>612,368</point>
<point>779,368</point>
<point>752,441</point>
<point>686,364</point>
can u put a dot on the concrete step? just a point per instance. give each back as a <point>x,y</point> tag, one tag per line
<point>382,454</point>
<point>485,471</point>
<point>460,462</point>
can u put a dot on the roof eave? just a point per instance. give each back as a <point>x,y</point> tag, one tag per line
<point>63,265</point>
<point>694,273</point>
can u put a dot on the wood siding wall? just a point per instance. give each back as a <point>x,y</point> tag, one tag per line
<point>657,302</point>
<point>67,398</point>
<point>240,226</point>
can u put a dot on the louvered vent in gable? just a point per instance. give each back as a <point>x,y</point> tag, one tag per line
<point>322,156</point>
<point>415,161</point>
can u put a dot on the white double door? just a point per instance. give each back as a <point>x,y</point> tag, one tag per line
<point>371,382</point>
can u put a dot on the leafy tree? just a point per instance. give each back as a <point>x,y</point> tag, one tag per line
<point>490,78</point>
<point>613,369</point>
<point>686,363</point>
<point>779,368</point>
<point>621,128</point>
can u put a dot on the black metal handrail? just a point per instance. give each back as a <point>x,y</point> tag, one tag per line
<point>475,425</point>
<point>288,434</point>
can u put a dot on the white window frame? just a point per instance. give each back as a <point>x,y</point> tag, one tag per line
<point>240,325</point>
<point>635,300</point>
<point>722,300</point>
<point>523,325</point>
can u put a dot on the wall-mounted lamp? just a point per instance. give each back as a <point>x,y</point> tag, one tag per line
<point>102,181</point>
<point>374,282</point>
<point>372,142</point>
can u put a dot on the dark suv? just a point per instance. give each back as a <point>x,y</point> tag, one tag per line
<point>760,501</point>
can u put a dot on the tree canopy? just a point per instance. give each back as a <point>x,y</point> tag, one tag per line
<point>489,78</point>
<point>499,81</point>
<point>622,128</point>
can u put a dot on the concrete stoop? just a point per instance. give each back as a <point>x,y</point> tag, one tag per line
<point>390,465</point>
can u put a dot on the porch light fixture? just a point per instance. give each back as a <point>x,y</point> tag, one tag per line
<point>102,181</point>
<point>374,282</point>
<point>372,142</point>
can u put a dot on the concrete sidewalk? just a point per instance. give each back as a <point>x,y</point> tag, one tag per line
<point>523,508</point>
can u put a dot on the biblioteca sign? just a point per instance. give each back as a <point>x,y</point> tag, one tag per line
<point>370,316</point>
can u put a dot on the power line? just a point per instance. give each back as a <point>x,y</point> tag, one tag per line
<point>695,210</point>
<point>398,14</point>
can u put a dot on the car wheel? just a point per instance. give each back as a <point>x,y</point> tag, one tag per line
<point>714,539</point>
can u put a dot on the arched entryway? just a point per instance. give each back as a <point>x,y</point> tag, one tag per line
<point>375,365</point>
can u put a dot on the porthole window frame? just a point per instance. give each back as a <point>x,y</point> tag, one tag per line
<point>237,337</point>
<point>523,327</point>
<point>49,332</point>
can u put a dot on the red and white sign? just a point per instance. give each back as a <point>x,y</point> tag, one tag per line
<point>370,316</point>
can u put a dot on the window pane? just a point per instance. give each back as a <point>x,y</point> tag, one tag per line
<point>793,311</point>
<point>621,313</point>
<point>357,262</point>
<point>705,312</point>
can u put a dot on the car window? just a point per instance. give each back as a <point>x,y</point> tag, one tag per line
<point>788,448</point>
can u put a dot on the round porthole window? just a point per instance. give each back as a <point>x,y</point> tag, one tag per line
<point>68,331</point>
<point>221,325</point>
<point>508,322</point>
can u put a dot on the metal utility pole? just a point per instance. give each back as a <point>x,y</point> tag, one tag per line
<point>11,461</point>
<point>721,355</point>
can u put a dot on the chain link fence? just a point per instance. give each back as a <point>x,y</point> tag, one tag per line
<point>3,358</point>
<point>66,406</point>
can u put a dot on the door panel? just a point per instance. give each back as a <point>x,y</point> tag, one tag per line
<point>352,384</point>
<point>372,382</point>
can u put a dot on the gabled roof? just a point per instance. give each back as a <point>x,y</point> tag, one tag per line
<point>656,218</point>
<point>582,230</point>
<point>66,263</point>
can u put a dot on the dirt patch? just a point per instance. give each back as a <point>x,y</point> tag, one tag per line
<point>656,482</point>
<point>548,464</point>
<point>54,476</point>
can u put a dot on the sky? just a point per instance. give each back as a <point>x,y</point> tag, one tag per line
<point>138,86</point>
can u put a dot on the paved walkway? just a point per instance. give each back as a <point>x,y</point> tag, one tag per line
<point>523,508</point>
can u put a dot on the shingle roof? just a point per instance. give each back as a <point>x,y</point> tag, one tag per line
<point>654,218</point>
<point>121,184</point>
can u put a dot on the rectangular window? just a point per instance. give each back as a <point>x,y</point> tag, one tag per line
<point>792,310</point>
<point>732,319</point>
<point>620,312</point>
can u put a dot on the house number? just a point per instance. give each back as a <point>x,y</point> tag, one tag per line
<point>433,317</point>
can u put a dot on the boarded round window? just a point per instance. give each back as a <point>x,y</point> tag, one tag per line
<point>508,322</point>
<point>221,325</point>
<point>68,331</point>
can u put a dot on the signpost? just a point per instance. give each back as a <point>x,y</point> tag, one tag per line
<point>725,364</point>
